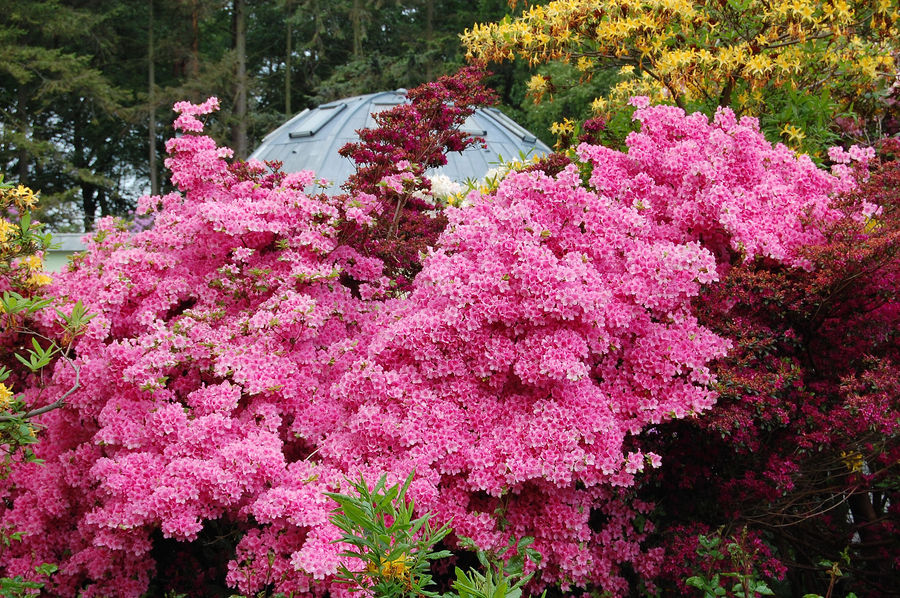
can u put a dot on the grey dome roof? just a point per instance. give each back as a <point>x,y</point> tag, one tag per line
<point>311,139</point>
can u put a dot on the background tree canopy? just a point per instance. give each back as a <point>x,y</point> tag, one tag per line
<point>86,86</point>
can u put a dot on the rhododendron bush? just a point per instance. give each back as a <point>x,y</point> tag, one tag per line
<point>803,446</point>
<point>254,349</point>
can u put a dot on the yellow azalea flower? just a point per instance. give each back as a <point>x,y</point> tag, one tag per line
<point>25,197</point>
<point>757,65</point>
<point>392,569</point>
<point>33,262</point>
<point>39,279</point>
<point>537,83</point>
<point>683,44</point>
<point>585,64</point>
<point>7,229</point>
<point>598,105</point>
<point>566,126</point>
<point>794,134</point>
<point>396,568</point>
<point>853,461</point>
<point>6,397</point>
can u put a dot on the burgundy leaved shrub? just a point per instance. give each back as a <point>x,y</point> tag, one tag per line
<point>803,446</point>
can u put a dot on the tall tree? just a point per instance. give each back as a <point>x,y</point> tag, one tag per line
<point>85,85</point>
<point>52,95</point>
<point>151,100</point>
<point>239,33</point>
<point>288,56</point>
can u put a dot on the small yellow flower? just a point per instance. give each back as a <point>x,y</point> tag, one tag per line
<point>393,569</point>
<point>7,229</point>
<point>585,64</point>
<point>853,461</point>
<point>598,105</point>
<point>25,197</point>
<point>33,263</point>
<point>566,126</point>
<point>794,134</point>
<point>872,224</point>
<point>39,279</point>
<point>6,397</point>
<point>396,568</point>
<point>538,84</point>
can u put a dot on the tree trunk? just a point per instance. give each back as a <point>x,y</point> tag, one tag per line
<point>79,161</point>
<point>104,202</point>
<point>873,538</point>
<point>429,38</point>
<point>287,58</point>
<point>357,21</point>
<point>24,130</point>
<point>239,129</point>
<point>151,99</point>
<point>194,66</point>
<point>89,205</point>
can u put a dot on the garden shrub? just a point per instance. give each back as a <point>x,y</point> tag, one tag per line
<point>804,441</point>
<point>806,68</point>
<point>34,334</point>
<point>252,351</point>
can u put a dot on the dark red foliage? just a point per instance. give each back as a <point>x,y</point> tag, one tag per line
<point>550,165</point>
<point>271,178</point>
<point>591,130</point>
<point>410,139</point>
<point>804,443</point>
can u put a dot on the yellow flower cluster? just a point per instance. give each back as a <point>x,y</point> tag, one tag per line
<point>537,86</point>
<point>6,397</point>
<point>39,279</point>
<point>585,64</point>
<point>690,51</point>
<point>566,127</point>
<point>22,199</point>
<point>563,131</point>
<point>397,568</point>
<point>20,196</point>
<point>7,231</point>
<point>30,267</point>
<point>853,461</point>
<point>794,135</point>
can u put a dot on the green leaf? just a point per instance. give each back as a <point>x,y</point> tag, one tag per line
<point>354,513</point>
<point>763,588</point>
<point>13,302</point>
<point>695,581</point>
<point>46,569</point>
<point>24,361</point>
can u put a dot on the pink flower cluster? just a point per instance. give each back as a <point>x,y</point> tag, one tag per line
<point>721,183</point>
<point>246,356</point>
